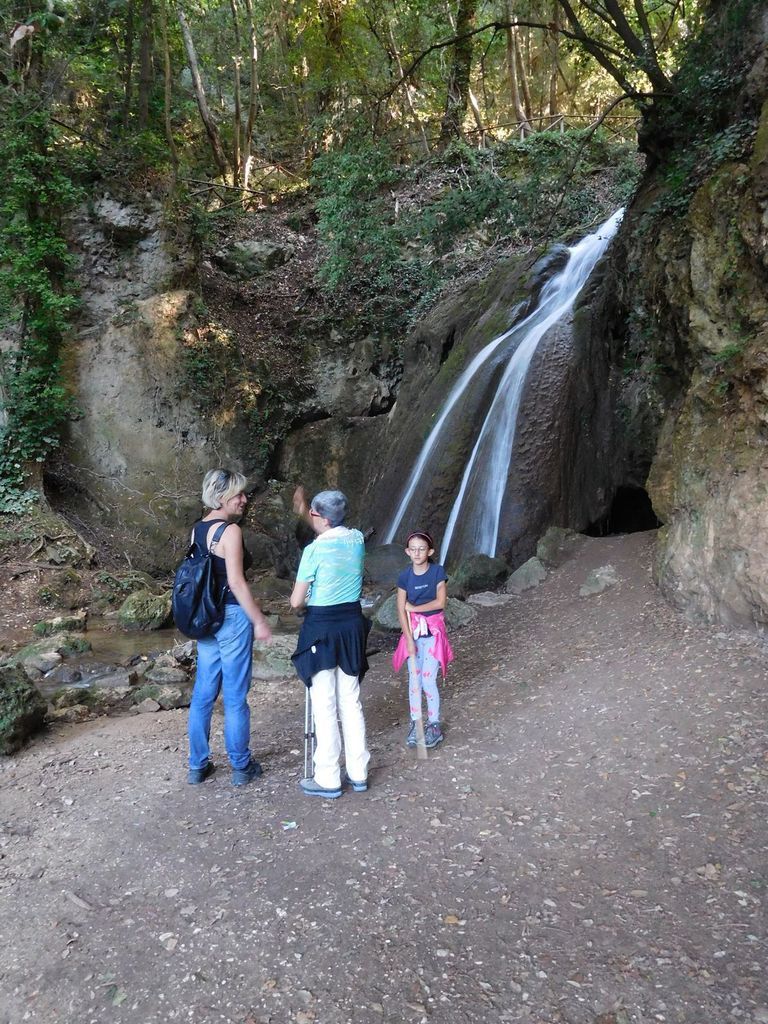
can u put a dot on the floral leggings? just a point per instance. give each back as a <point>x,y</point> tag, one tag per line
<point>422,677</point>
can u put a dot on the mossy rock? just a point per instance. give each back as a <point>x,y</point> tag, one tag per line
<point>22,710</point>
<point>65,644</point>
<point>145,611</point>
<point>61,624</point>
<point>168,697</point>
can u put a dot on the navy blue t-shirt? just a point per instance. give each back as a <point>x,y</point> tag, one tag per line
<point>422,589</point>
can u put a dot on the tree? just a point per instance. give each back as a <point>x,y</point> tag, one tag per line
<point>458,89</point>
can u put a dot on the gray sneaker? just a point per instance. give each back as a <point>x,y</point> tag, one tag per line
<point>412,738</point>
<point>433,735</point>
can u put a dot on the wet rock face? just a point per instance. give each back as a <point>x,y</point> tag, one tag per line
<point>22,710</point>
<point>137,452</point>
<point>708,478</point>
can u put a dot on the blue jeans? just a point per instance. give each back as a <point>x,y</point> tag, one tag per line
<point>223,665</point>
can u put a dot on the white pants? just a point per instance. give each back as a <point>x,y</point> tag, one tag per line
<point>336,695</point>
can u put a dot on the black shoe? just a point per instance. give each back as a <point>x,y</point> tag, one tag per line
<point>242,776</point>
<point>198,775</point>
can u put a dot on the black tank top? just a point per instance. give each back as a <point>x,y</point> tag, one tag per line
<point>200,531</point>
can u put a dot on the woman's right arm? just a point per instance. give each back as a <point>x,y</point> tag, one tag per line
<point>405,622</point>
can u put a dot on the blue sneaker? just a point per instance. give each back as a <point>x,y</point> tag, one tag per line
<point>311,788</point>
<point>197,775</point>
<point>242,776</point>
<point>358,787</point>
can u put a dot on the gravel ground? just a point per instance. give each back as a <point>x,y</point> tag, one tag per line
<point>588,846</point>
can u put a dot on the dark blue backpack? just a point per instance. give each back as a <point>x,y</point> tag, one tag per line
<point>197,601</point>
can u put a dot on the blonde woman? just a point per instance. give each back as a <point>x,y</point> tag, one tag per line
<point>224,659</point>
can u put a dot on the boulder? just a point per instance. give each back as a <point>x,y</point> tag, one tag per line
<point>165,697</point>
<point>457,614</point>
<point>145,611</point>
<point>252,257</point>
<point>530,574</point>
<point>273,661</point>
<point>22,710</point>
<point>384,563</point>
<point>557,546</point>
<point>63,644</point>
<point>478,572</point>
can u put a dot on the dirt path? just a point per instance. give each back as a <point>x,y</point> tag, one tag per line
<point>588,846</point>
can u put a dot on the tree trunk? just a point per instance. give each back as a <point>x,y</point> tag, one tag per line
<point>237,126</point>
<point>457,98</point>
<point>521,66</point>
<point>553,40</point>
<point>145,62</point>
<point>167,82</point>
<point>407,92</point>
<point>253,97</point>
<point>474,106</point>
<point>514,87</point>
<point>219,156</point>
<point>128,63</point>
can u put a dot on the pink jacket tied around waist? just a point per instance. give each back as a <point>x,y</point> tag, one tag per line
<point>422,625</point>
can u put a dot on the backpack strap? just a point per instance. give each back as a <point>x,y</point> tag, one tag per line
<point>217,536</point>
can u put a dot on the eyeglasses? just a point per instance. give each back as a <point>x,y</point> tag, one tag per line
<point>418,551</point>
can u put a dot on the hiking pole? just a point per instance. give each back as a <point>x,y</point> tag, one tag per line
<point>309,737</point>
<point>421,743</point>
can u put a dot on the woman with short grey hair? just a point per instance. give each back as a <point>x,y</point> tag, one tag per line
<point>330,653</point>
<point>224,659</point>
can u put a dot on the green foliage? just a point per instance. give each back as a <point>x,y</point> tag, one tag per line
<point>355,218</point>
<point>388,264</point>
<point>37,296</point>
<point>697,119</point>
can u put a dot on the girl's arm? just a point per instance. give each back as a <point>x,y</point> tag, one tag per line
<point>231,548</point>
<point>438,605</point>
<point>405,622</point>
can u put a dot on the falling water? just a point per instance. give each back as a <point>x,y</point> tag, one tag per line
<point>484,481</point>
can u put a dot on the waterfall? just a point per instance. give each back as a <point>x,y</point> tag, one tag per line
<point>482,487</point>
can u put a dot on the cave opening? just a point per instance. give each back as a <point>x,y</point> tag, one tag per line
<point>631,511</point>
